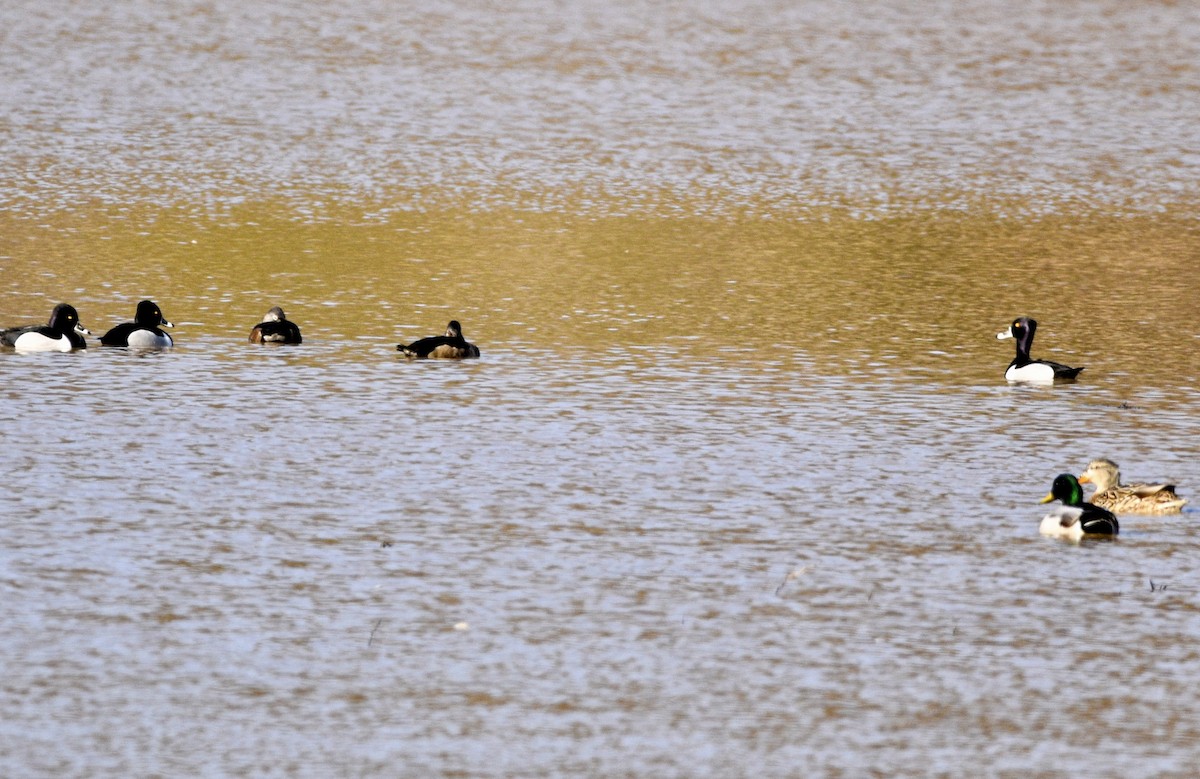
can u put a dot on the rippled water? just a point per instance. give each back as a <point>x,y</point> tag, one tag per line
<point>323,559</point>
<point>737,487</point>
<point>775,107</point>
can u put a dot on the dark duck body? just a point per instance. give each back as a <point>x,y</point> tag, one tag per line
<point>451,346</point>
<point>1025,368</point>
<point>275,329</point>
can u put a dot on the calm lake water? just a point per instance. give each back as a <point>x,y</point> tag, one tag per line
<point>737,487</point>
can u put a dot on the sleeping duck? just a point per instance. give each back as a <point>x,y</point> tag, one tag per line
<point>451,346</point>
<point>1129,498</point>
<point>63,333</point>
<point>1026,369</point>
<point>1074,518</point>
<point>275,328</point>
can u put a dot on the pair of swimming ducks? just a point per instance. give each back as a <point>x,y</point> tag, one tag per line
<point>451,345</point>
<point>1077,518</point>
<point>65,333</point>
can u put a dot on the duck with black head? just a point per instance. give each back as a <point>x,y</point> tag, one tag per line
<point>63,333</point>
<point>275,329</point>
<point>143,332</point>
<point>450,346</point>
<point>1024,368</point>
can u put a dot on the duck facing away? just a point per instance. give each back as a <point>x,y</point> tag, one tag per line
<point>275,329</point>
<point>1025,368</point>
<point>143,332</point>
<point>64,333</point>
<point>1074,519</point>
<point>1135,498</point>
<point>451,346</point>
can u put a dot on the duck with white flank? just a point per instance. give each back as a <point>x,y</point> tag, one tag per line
<point>1137,498</point>
<point>1074,518</point>
<point>143,332</point>
<point>451,346</point>
<point>275,329</point>
<point>63,334</point>
<point>1026,369</point>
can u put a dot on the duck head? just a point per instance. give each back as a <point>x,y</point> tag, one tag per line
<point>1103,473</point>
<point>65,318</point>
<point>1065,488</point>
<point>1022,329</point>
<point>149,314</point>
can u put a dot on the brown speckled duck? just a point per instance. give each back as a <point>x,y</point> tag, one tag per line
<point>1129,498</point>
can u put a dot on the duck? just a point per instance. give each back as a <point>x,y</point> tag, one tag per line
<point>451,346</point>
<point>1135,498</point>
<point>275,329</point>
<point>1074,518</point>
<point>63,333</point>
<point>1024,368</point>
<point>143,332</point>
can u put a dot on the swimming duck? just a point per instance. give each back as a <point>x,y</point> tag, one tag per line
<point>1025,368</point>
<point>1129,498</point>
<point>451,346</point>
<point>275,329</point>
<point>1074,518</point>
<point>62,334</point>
<point>143,332</point>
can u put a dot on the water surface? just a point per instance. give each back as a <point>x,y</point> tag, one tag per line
<point>737,487</point>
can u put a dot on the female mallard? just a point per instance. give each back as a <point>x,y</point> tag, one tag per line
<point>451,346</point>
<point>1025,368</point>
<point>1129,498</point>
<point>1074,518</point>
<point>275,329</point>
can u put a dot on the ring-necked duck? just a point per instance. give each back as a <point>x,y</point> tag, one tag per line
<point>62,334</point>
<point>1023,367</point>
<point>1074,518</point>
<point>451,346</point>
<point>275,329</point>
<point>143,332</point>
<point>1136,498</point>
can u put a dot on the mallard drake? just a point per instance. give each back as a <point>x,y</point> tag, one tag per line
<point>1026,369</point>
<point>63,333</point>
<point>1128,498</point>
<point>143,332</point>
<point>275,329</point>
<point>451,346</point>
<point>1074,518</point>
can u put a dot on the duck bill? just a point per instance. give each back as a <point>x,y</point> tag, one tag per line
<point>1049,497</point>
<point>1006,334</point>
<point>165,323</point>
<point>1084,479</point>
<point>82,330</point>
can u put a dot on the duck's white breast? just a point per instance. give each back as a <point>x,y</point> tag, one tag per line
<point>148,339</point>
<point>1052,524</point>
<point>36,342</point>
<point>1037,372</point>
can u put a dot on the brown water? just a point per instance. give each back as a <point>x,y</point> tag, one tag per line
<point>737,488</point>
